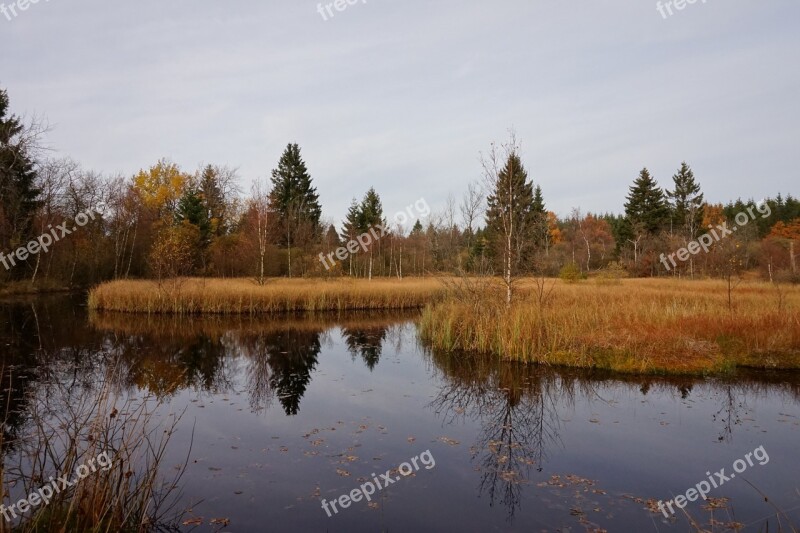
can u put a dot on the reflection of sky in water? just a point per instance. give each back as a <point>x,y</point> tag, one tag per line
<point>290,411</point>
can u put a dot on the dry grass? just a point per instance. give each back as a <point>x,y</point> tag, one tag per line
<point>244,296</point>
<point>69,428</point>
<point>666,326</point>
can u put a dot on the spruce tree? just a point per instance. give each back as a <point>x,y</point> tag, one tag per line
<point>539,212</point>
<point>192,210</point>
<point>351,228</point>
<point>19,196</point>
<point>371,210</point>
<point>510,212</point>
<point>213,200</point>
<point>371,216</point>
<point>295,202</point>
<point>686,202</point>
<point>646,207</point>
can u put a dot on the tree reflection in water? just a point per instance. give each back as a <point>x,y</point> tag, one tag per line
<point>276,356</point>
<point>516,408</point>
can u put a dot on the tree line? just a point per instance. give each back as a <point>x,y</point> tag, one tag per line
<point>166,222</point>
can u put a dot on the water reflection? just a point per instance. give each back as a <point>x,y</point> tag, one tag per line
<point>518,409</point>
<point>365,342</point>
<point>279,355</point>
<point>311,372</point>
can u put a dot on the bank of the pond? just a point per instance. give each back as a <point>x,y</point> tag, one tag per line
<point>638,326</point>
<point>245,296</point>
<point>26,288</point>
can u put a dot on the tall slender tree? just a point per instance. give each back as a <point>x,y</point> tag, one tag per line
<point>19,196</point>
<point>351,228</point>
<point>509,215</point>
<point>295,202</point>
<point>647,205</point>
<point>371,216</point>
<point>686,202</point>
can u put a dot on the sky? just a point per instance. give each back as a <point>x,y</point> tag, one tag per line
<point>404,95</point>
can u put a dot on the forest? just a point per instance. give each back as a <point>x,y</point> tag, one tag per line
<point>166,221</point>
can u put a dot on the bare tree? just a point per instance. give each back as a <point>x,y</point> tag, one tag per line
<point>259,203</point>
<point>471,208</point>
<point>506,183</point>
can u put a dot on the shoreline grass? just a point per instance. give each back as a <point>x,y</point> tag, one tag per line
<point>634,326</point>
<point>645,326</point>
<point>244,296</point>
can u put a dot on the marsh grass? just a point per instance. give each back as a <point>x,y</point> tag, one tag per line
<point>244,296</point>
<point>69,426</point>
<point>647,326</point>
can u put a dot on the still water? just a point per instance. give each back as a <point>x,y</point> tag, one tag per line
<point>282,413</point>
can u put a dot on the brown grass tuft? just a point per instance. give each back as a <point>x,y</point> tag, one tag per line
<point>244,296</point>
<point>647,326</point>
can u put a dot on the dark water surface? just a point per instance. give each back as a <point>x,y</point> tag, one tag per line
<point>289,411</point>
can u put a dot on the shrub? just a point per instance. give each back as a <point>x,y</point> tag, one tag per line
<point>612,274</point>
<point>570,273</point>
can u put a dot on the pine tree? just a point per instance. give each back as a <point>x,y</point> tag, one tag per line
<point>371,211</point>
<point>510,218</point>
<point>192,210</point>
<point>646,207</point>
<point>510,212</point>
<point>213,200</point>
<point>686,202</point>
<point>371,216</point>
<point>351,228</point>
<point>295,202</point>
<point>539,212</point>
<point>293,195</point>
<point>19,196</point>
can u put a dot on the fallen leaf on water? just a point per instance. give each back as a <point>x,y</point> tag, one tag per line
<point>343,473</point>
<point>193,521</point>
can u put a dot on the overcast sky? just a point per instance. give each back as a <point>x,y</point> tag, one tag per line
<point>403,95</point>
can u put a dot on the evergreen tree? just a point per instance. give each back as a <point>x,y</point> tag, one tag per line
<point>686,202</point>
<point>213,200</point>
<point>19,196</point>
<point>293,197</point>
<point>351,228</point>
<point>191,209</point>
<point>370,217</point>
<point>539,212</point>
<point>646,207</point>
<point>510,211</point>
<point>371,211</point>
<point>295,202</point>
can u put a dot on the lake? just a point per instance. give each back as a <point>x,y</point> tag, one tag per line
<point>279,414</point>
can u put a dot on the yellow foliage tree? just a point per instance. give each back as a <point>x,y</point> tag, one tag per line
<point>161,187</point>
